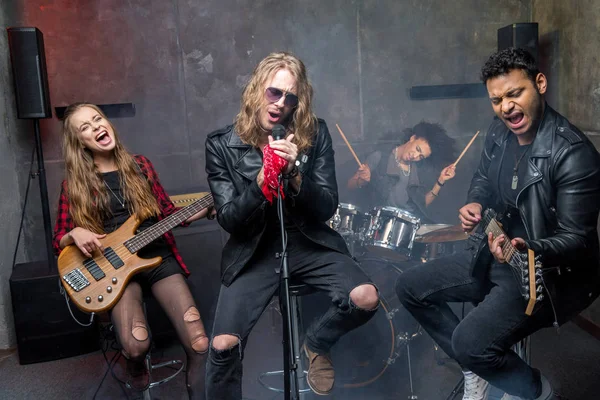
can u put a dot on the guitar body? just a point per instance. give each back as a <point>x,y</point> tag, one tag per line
<point>102,294</point>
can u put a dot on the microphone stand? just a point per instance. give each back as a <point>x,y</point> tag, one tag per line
<point>290,366</point>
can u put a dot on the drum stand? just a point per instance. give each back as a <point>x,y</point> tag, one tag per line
<point>406,338</point>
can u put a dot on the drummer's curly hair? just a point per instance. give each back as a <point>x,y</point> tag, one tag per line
<point>443,152</point>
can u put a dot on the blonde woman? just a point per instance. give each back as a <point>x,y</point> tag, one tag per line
<point>104,186</point>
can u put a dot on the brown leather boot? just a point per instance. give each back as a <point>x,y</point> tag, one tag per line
<point>321,375</point>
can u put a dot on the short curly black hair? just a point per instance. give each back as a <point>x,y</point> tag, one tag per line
<point>504,61</point>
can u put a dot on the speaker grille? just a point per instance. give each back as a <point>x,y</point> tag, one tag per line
<point>522,35</point>
<point>29,72</point>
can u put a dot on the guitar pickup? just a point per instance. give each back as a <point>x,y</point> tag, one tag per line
<point>94,269</point>
<point>76,280</point>
<point>113,258</point>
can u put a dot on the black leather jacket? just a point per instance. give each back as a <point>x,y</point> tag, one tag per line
<point>232,167</point>
<point>558,204</point>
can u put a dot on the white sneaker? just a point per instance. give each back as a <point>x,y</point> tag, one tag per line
<point>476,388</point>
<point>509,397</point>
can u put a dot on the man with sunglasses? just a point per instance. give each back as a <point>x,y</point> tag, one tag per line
<point>279,93</point>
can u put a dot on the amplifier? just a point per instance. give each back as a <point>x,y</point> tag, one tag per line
<point>44,327</point>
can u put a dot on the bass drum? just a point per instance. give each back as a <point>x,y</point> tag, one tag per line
<point>363,355</point>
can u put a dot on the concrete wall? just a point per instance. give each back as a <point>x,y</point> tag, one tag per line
<point>184,62</point>
<point>568,32</point>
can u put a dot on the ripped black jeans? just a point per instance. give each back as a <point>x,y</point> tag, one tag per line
<point>241,304</point>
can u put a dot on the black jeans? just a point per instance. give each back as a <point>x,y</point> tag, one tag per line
<point>241,304</point>
<point>482,341</point>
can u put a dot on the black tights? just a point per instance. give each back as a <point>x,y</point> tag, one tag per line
<point>175,298</point>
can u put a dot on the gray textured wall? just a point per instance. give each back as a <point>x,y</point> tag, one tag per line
<point>569,32</point>
<point>184,62</point>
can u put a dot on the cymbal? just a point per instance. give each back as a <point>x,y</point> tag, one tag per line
<point>449,234</point>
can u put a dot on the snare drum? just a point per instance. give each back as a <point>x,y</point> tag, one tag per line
<point>391,233</point>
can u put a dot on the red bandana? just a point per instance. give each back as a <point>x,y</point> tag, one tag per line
<point>273,166</point>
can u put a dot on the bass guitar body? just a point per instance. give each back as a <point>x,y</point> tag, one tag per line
<point>96,284</point>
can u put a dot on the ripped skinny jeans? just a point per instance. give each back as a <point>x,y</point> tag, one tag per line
<point>241,304</point>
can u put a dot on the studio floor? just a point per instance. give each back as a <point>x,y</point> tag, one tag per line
<point>571,359</point>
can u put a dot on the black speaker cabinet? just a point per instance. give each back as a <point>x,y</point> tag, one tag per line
<point>29,71</point>
<point>45,329</point>
<point>522,35</point>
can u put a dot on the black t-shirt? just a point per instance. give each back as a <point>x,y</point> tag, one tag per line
<point>119,213</point>
<point>511,181</point>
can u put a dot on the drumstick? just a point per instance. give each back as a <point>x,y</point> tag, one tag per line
<point>348,144</point>
<point>466,148</point>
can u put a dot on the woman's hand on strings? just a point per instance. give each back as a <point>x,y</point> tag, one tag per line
<point>87,241</point>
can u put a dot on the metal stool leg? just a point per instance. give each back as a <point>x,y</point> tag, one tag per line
<point>296,328</point>
<point>146,395</point>
<point>412,396</point>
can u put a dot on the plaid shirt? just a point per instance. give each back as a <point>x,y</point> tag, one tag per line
<point>64,222</point>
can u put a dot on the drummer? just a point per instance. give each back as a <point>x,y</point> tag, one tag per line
<point>391,175</point>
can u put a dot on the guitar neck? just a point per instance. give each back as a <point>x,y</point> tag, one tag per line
<point>508,250</point>
<point>148,235</point>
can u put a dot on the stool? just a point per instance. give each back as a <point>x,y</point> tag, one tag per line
<point>296,292</point>
<point>148,361</point>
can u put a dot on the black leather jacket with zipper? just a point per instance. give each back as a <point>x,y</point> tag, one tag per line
<point>558,205</point>
<point>232,167</point>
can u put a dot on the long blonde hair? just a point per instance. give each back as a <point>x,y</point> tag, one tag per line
<point>303,124</point>
<point>89,201</point>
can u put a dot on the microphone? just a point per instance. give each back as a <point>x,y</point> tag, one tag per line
<point>278,132</point>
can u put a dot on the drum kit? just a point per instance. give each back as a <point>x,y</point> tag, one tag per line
<point>385,241</point>
<point>394,234</point>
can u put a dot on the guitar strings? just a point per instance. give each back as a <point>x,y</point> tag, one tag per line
<point>122,251</point>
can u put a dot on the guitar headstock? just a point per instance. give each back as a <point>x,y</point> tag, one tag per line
<point>183,200</point>
<point>528,270</point>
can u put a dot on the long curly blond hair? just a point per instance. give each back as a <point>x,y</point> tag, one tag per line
<point>303,123</point>
<point>89,201</point>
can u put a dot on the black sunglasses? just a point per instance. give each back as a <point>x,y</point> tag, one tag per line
<point>273,95</point>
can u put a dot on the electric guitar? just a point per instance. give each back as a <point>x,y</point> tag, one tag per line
<point>96,284</point>
<point>526,268</point>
